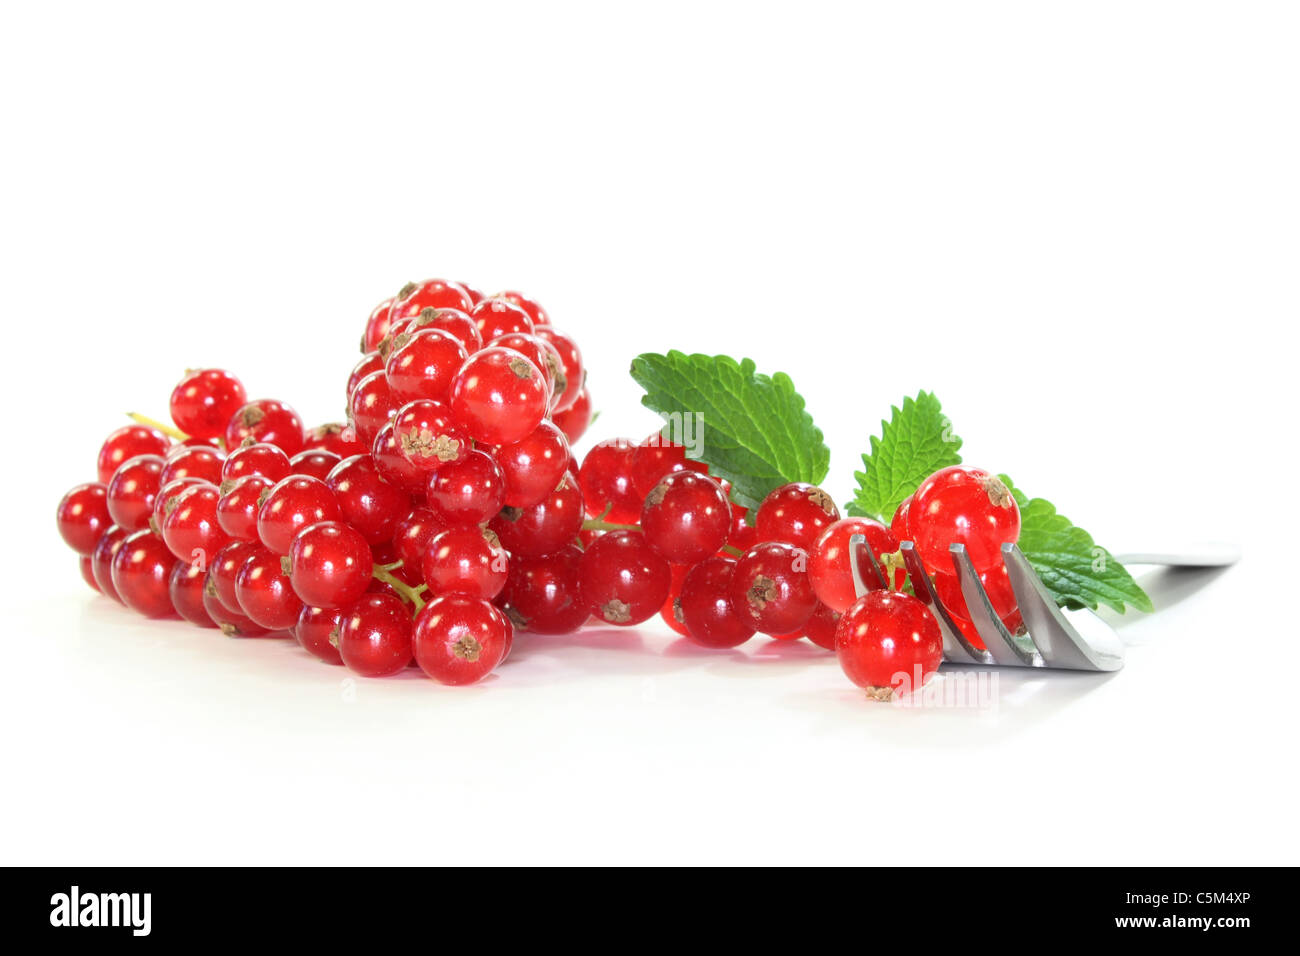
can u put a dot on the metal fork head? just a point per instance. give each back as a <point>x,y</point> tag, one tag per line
<point>1050,639</point>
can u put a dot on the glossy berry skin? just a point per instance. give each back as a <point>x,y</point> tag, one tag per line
<point>624,582</point>
<point>497,317</point>
<point>238,506</point>
<point>370,362</point>
<point>454,322</point>
<point>534,466</point>
<point>87,569</point>
<point>368,502</point>
<point>317,632</point>
<point>606,479</point>
<point>466,559</point>
<point>997,585</point>
<point>258,458</point>
<point>128,442</point>
<point>167,497</point>
<point>394,466</point>
<point>545,527</point>
<point>203,402</point>
<point>498,396</point>
<point>898,526</point>
<point>411,539</point>
<point>375,637</point>
<point>381,316</point>
<point>888,643</point>
<point>742,535</point>
<point>796,513</point>
<point>531,307</point>
<point>961,505</point>
<point>314,462</point>
<point>331,565</point>
<point>132,490</point>
<point>829,560</point>
<point>423,364</point>
<point>337,438</point>
<point>264,592</point>
<point>475,296</point>
<point>469,491</point>
<point>543,594</point>
<point>185,588</point>
<point>461,639</point>
<point>542,354</point>
<point>195,461</point>
<point>573,421</point>
<point>671,612</point>
<point>372,405</point>
<point>426,436</point>
<point>821,626</point>
<point>231,623</point>
<point>575,375</point>
<point>83,517</point>
<point>656,457</point>
<point>101,560</point>
<point>223,570</point>
<point>141,572</point>
<point>706,608</point>
<point>191,529</point>
<point>268,420</point>
<point>770,588</point>
<point>686,517</point>
<point>294,503</point>
<point>429,294</point>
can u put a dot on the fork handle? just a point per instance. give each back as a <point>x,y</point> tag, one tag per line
<point>1200,556</point>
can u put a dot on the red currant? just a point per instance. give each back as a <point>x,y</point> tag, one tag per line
<point>770,588</point>
<point>267,420</point>
<point>258,458</point>
<point>426,436</point>
<point>375,637</point>
<point>423,364</point>
<point>898,527</point>
<point>544,527</point>
<point>132,490</point>
<point>796,513</point>
<point>223,569</point>
<point>542,354</point>
<point>377,325</point>
<point>337,438</point>
<point>265,593</point>
<point>370,363</point>
<point>238,505</point>
<point>469,491</point>
<point>230,622</point>
<point>830,561</point>
<point>454,322</point>
<point>533,466</point>
<point>371,406</point>
<point>498,396</point>
<point>204,400</point>
<point>575,376</point>
<point>888,643</point>
<point>185,588</point>
<point>706,606</point>
<point>165,500</point>
<point>686,517</point>
<point>83,517</point>
<point>128,442</point>
<point>573,421</point>
<point>656,457</point>
<point>820,628</point>
<point>997,585</point>
<point>392,464</point>
<point>498,317</point>
<point>331,564</point>
<point>411,540</point>
<point>294,503</point>
<point>475,296</point>
<point>742,535</point>
<point>87,568</point>
<point>534,311</point>
<point>191,529</point>
<point>101,561</point>
<point>367,501</point>
<point>671,612</point>
<point>429,294</point>
<point>461,639</point>
<point>466,559</point>
<point>314,462</point>
<point>968,506</point>
<point>142,570</point>
<point>606,479</point>
<point>195,461</point>
<point>543,594</point>
<point>317,631</point>
<point>624,581</point>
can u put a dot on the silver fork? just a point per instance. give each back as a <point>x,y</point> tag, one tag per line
<point>1052,637</point>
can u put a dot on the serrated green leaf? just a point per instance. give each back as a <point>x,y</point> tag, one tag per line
<point>1075,570</point>
<point>915,443</point>
<point>753,428</point>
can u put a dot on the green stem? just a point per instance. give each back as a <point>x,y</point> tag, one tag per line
<point>154,423</point>
<point>599,524</point>
<point>383,573</point>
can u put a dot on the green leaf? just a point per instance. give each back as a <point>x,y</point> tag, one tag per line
<point>1075,569</point>
<point>750,429</point>
<point>915,443</point>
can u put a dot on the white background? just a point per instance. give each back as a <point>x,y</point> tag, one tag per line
<point>1077,223</point>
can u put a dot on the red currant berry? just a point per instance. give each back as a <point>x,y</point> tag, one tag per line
<point>128,442</point>
<point>267,420</point>
<point>454,322</point>
<point>377,325</point>
<point>429,294</point>
<point>204,400</point>
<point>461,639</point>
<point>573,421</point>
<point>294,503</point>
<point>141,571</point>
<point>624,581</point>
<point>375,638</point>
<point>331,564</point>
<point>426,436</point>
<point>337,438</point>
<point>238,505</point>
<point>132,490</point>
<point>87,568</point>
<point>534,466</point>
<point>469,491</point>
<point>165,500</point>
<point>542,354</point>
<point>575,376</point>
<point>968,506</point>
<point>466,560</point>
<point>742,535</point>
<point>534,311</point>
<point>366,500</point>
<point>191,529</point>
<point>392,464</point>
<point>498,396</point>
<point>258,458</point>
<point>475,296</point>
<point>796,513</point>
<point>193,462</point>
<point>686,517</point>
<point>185,588</point>
<point>888,643</point>
<point>230,623</point>
<point>371,406</point>
<point>543,594</point>
<point>770,588</point>
<point>997,585</point>
<point>101,561</point>
<point>423,364</point>
<point>706,607</point>
<point>898,527</point>
<point>223,570</point>
<point>264,592</point>
<point>315,463</point>
<point>820,628</point>
<point>656,457</point>
<point>370,363</point>
<point>671,612</point>
<point>411,540</point>
<point>497,317</point>
<point>830,560</point>
<point>318,631</point>
<point>83,517</point>
<point>545,527</point>
<point>606,479</point>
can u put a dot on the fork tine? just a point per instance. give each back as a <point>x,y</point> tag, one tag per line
<point>862,563</point>
<point>956,647</point>
<point>1001,645</point>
